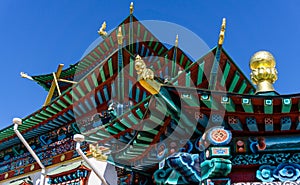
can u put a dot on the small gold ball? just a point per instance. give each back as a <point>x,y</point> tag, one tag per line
<point>262,59</point>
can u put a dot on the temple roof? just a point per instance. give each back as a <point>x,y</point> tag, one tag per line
<point>245,113</point>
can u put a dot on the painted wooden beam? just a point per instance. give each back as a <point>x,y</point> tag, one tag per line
<point>209,101</point>
<point>285,123</point>
<point>225,73</point>
<point>247,105</point>
<point>268,106</point>
<point>286,105</point>
<point>269,127</point>
<point>251,124</point>
<point>228,104</point>
<point>235,123</point>
<point>234,81</point>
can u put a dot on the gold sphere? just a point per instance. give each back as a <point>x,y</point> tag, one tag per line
<point>262,59</point>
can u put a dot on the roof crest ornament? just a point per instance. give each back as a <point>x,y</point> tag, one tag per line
<point>131,8</point>
<point>176,41</point>
<point>25,75</point>
<point>102,31</point>
<point>222,32</point>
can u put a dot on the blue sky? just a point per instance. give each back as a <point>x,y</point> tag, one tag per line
<point>38,35</point>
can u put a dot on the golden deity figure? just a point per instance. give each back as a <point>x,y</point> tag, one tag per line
<point>264,73</point>
<point>97,152</point>
<point>146,76</point>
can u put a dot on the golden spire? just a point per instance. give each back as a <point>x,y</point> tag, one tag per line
<point>176,41</point>
<point>222,32</point>
<point>120,36</point>
<point>102,31</point>
<point>131,8</point>
<point>264,73</point>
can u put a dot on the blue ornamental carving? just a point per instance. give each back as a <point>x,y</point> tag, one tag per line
<point>265,173</point>
<point>187,165</point>
<point>283,172</point>
<point>287,172</point>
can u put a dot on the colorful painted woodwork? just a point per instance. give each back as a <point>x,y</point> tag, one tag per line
<point>164,117</point>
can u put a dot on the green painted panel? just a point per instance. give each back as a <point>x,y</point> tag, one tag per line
<point>131,66</point>
<point>138,30</point>
<point>200,73</point>
<point>234,81</point>
<point>112,130</point>
<point>188,79</point>
<point>228,104</point>
<point>110,68</point>
<point>181,59</point>
<point>94,79</point>
<point>111,41</point>
<point>87,85</point>
<point>95,53</point>
<point>102,74</point>
<point>139,113</point>
<point>74,95</point>
<point>100,50</point>
<point>225,73</point>
<point>62,104</point>
<point>133,119</point>
<point>53,105</point>
<point>145,35</point>
<point>151,41</point>
<point>243,87</point>
<point>160,51</point>
<point>105,45</point>
<point>45,113</point>
<point>80,91</point>
<point>49,109</point>
<point>155,46</point>
<point>209,102</point>
<point>120,126</point>
<point>286,105</point>
<point>158,64</point>
<point>68,99</point>
<point>125,122</point>
<point>91,58</point>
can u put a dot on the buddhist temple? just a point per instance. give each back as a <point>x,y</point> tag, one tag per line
<point>135,110</point>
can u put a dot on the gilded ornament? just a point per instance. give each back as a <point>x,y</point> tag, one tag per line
<point>102,31</point>
<point>146,76</point>
<point>222,32</point>
<point>131,8</point>
<point>264,73</point>
<point>120,36</point>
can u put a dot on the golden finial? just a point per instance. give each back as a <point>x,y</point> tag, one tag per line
<point>102,31</point>
<point>131,8</point>
<point>264,73</point>
<point>222,32</point>
<point>120,36</point>
<point>25,75</point>
<point>176,41</point>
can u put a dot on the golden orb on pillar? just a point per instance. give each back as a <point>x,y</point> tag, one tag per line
<point>264,73</point>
